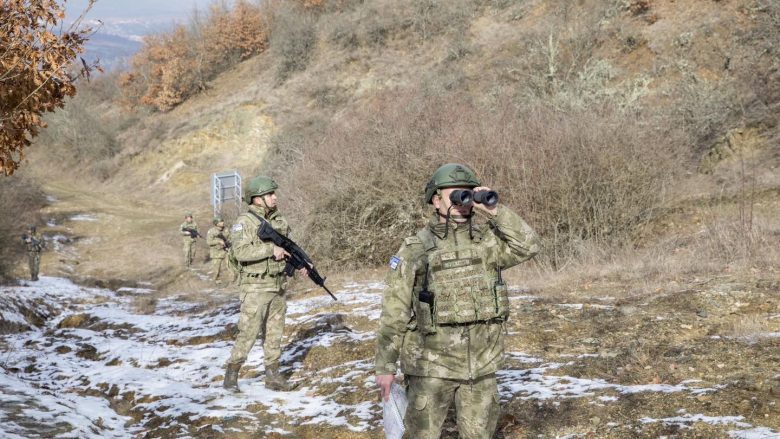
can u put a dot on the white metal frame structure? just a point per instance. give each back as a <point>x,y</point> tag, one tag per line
<point>225,189</point>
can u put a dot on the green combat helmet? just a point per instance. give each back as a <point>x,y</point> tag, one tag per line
<point>188,213</point>
<point>217,219</point>
<point>450,175</point>
<point>258,186</point>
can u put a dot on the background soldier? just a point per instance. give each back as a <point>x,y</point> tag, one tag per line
<point>218,245</point>
<point>35,245</point>
<point>261,284</point>
<point>444,309</point>
<point>189,232</point>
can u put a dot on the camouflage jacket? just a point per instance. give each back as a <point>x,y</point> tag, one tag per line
<point>191,226</point>
<point>256,256</point>
<point>33,242</point>
<point>215,243</point>
<point>464,351</point>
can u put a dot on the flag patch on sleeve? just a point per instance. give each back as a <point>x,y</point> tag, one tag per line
<point>394,262</point>
<point>237,227</point>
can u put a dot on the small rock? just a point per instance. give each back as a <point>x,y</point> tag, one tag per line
<point>702,313</point>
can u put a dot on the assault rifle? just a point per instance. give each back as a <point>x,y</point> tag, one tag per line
<point>193,233</point>
<point>35,243</point>
<point>298,258</point>
<point>221,236</point>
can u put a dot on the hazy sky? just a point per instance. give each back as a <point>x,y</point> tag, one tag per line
<point>178,10</point>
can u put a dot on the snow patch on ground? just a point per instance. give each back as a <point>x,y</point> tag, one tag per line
<point>56,381</point>
<point>83,217</point>
<point>755,433</point>
<point>688,419</point>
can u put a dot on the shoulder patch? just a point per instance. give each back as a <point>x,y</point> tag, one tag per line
<point>412,240</point>
<point>395,261</point>
<point>237,227</point>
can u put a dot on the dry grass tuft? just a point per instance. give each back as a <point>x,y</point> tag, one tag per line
<point>748,326</point>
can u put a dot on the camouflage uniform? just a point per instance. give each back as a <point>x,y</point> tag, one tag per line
<point>188,241</point>
<point>451,349</point>
<point>261,286</point>
<point>217,249</point>
<point>35,244</point>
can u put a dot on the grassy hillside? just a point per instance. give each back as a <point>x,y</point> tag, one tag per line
<point>612,125</point>
<point>639,137</point>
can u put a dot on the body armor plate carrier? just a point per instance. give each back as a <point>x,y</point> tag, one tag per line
<point>458,286</point>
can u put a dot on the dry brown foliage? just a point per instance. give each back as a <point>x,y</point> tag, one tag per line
<point>293,38</point>
<point>173,66</point>
<point>35,71</point>
<point>639,7</point>
<point>576,175</point>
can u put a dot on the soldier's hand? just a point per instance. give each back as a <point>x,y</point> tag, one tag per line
<point>384,382</point>
<point>492,211</point>
<point>303,271</point>
<point>280,253</point>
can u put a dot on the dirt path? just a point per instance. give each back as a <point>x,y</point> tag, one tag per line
<point>114,239</point>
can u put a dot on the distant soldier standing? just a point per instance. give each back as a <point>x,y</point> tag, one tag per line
<point>218,245</point>
<point>261,284</point>
<point>35,245</point>
<point>189,232</point>
<point>445,308</point>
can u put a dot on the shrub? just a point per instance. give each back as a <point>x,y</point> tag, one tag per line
<point>85,133</point>
<point>173,66</point>
<point>371,27</point>
<point>35,71</point>
<point>293,37</point>
<point>576,175</point>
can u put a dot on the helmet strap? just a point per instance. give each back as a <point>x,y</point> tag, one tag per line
<point>267,208</point>
<point>448,217</point>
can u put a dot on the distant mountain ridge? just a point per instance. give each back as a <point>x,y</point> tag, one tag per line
<point>116,40</point>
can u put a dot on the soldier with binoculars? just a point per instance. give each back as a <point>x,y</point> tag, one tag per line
<point>444,310</point>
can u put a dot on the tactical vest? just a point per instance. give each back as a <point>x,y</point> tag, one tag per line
<point>268,266</point>
<point>458,286</point>
<point>36,243</point>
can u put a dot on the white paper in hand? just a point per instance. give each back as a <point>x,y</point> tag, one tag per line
<point>394,410</point>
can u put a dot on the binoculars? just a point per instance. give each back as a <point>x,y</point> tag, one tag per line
<point>464,197</point>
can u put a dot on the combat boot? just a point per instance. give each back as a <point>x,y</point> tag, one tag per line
<point>274,380</point>
<point>231,377</point>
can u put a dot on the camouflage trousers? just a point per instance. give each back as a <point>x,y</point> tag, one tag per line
<point>476,405</point>
<point>216,267</point>
<point>189,251</point>
<point>34,262</point>
<point>262,313</point>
